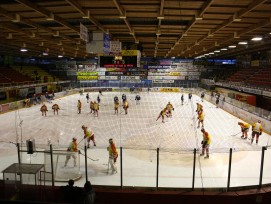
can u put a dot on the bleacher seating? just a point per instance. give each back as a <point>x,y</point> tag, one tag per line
<point>9,75</point>
<point>36,73</point>
<point>242,75</point>
<point>261,78</point>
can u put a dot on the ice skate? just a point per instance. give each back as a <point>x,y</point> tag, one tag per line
<point>207,157</point>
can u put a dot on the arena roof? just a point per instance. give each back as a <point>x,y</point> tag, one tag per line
<point>160,28</point>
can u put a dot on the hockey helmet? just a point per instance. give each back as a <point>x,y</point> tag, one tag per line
<point>259,121</point>
<point>202,130</point>
<point>74,139</point>
<point>110,140</point>
<point>83,126</point>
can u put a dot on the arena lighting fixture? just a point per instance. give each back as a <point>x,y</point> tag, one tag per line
<point>51,17</point>
<point>232,46</point>
<point>44,53</point>
<point>242,43</point>
<point>160,17</point>
<point>122,16</point>
<point>23,49</point>
<point>60,56</point>
<point>158,32</point>
<point>256,38</point>
<point>224,49</point>
<point>211,53</point>
<point>86,16</point>
<point>217,51</point>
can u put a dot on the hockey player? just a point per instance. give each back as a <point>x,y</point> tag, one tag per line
<point>96,108</point>
<point>89,135</point>
<point>113,155</point>
<point>199,107</point>
<point>162,114</point>
<point>200,119</point>
<point>217,101</point>
<point>244,129</point>
<point>202,96</point>
<point>91,107</point>
<point>205,143</point>
<point>116,98</point>
<point>116,106</point>
<point>257,130</point>
<point>125,106</point>
<point>182,99</point>
<point>79,106</point>
<point>123,98</point>
<point>169,108</point>
<point>55,108</point>
<point>72,148</point>
<point>190,96</point>
<point>137,99</point>
<point>43,110</point>
<point>87,97</point>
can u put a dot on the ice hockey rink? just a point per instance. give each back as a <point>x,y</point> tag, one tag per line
<point>140,135</point>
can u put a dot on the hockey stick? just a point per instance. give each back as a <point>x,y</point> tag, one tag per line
<point>236,133</point>
<point>108,166</point>
<point>81,140</point>
<point>89,157</point>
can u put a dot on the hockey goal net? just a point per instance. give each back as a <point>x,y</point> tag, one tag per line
<point>66,165</point>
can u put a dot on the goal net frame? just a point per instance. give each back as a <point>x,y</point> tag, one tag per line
<point>66,165</point>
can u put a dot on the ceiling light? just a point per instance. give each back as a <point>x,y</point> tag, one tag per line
<point>232,46</point>
<point>158,32</point>
<point>243,43</point>
<point>224,49</point>
<point>257,38</point>
<point>86,16</point>
<point>160,17</point>
<point>45,53</point>
<point>51,17</point>
<point>60,56</point>
<point>211,53</point>
<point>199,18</point>
<point>217,50</point>
<point>17,18</point>
<point>122,17</point>
<point>23,50</point>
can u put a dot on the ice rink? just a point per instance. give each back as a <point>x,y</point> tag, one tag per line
<point>140,135</point>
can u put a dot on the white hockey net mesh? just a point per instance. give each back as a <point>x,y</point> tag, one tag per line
<point>66,165</point>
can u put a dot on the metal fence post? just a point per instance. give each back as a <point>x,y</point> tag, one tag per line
<point>229,171</point>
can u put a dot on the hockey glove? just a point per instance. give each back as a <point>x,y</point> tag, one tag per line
<point>202,142</point>
<point>172,108</point>
<point>260,133</point>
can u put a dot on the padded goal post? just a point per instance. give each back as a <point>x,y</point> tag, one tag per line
<point>66,165</point>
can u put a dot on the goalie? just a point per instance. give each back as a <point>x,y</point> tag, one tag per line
<point>113,155</point>
<point>72,148</point>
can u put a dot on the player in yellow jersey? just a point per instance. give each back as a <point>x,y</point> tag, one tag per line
<point>43,110</point>
<point>125,106</point>
<point>244,129</point>
<point>89,135</point>
<point>169,108</point>
<point>200,119</point>
<point>257,130</point>
<point>72,148</point>
<point>206,141</point>
<point>116,106</point>
<point>96,108</point>
<point>55,108</point>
